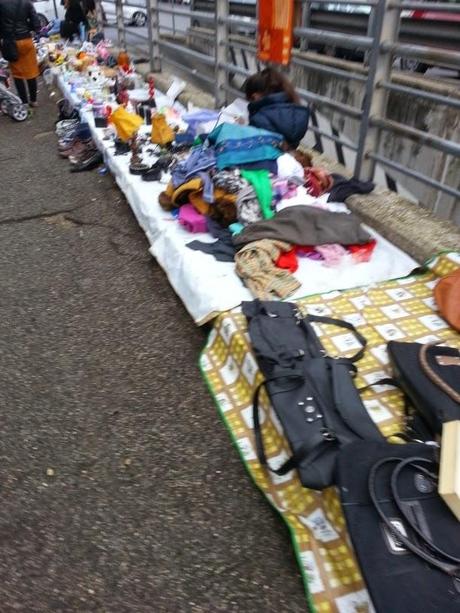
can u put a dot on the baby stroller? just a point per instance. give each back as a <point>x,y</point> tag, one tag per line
<point>10,104</point>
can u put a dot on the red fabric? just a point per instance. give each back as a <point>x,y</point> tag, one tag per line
<point>362,253</point>
<point>288,260</point>
<point>317,181</point>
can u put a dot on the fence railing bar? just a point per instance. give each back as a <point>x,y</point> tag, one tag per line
<point>336,139</point>
<point>338,38</point>
<point>424,138</point>
<point>336,72</point>
<point>420,93</point>
<point>191,71</point>
<point>203,16</point>
<point>426,6</point>
<point>345,109</point>
<point>354,2</point>
<point>189,52</point>
<point>235,21</point>
<point>236,69</point>
<point>232,90</point>
<point>435,56</point>
<point>139,35</point>
<point>414,174</point>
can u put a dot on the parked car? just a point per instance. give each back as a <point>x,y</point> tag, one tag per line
<point>47,10</point>
<point>132,15</point>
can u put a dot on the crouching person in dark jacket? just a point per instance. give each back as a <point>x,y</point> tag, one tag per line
<point>275,105</point>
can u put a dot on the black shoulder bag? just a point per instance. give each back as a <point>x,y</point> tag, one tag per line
<point>429,376</point>
<point>9,47</point>
<point>313,394</point>
<point>406,539</point>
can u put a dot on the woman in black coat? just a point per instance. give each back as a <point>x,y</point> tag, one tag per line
<point>275,105</point>
<point>74,16</point>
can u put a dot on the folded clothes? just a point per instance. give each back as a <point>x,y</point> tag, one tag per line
<point>247,206</point>
<point>331,254</point>
<point>223,210</point>
<point>305,225</point>
<point>200,160</point>
<point>317,181</point>
<point>343,187</point>
<point>235,145</point>
<point>270,165</point>
<point>229,180</point>
<point>362,253</point>
<point>255,264</point>
<point>288,260</point>
<point>260,181</point>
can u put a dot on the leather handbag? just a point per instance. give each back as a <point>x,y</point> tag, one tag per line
<point>447,296</point>
<point>313,394</point>
<point>406,539</point>
<point>429,375</point>
<point>9,47</point>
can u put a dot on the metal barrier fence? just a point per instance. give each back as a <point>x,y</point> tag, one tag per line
<point>379,48</point>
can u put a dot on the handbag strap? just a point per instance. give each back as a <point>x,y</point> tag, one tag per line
<point>450,569</point>
<point>433,376</point>
<point>413,463</point>
<point>329,436</point>
<point>302,453</point>
<point>343,324</point>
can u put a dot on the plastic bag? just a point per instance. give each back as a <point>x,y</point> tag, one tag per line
<point>162,133</point>
<point>126,123</point>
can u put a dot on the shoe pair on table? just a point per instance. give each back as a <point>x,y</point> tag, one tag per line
<point>151,173</point>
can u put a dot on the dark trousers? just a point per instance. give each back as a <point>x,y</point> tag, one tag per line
<point>22,90</point>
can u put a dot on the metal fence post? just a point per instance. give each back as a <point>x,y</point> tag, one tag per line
<point>221,52</point>
<point>120,24</point>
<point>153,26</point>
<point>99,16</point>
<point>385,23</point>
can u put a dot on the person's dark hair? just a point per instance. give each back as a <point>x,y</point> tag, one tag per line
<point>269,81</point>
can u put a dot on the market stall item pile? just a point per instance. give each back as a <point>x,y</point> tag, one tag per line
<point>235,219</point>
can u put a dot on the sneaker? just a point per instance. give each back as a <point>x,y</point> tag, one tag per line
<point>75,149</point>
<point>90,161</point>
<point>83,152</point>
<point>65,126</point>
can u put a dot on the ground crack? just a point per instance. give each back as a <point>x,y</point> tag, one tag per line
<point>11,220</point>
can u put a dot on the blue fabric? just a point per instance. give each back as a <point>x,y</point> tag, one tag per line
<point>235,144</point>
<point>201,159</point>
<point>277,113</point>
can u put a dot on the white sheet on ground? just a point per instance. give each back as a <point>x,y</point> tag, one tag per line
<point>208,287</point>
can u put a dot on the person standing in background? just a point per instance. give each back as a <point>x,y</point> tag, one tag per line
<point>74,18</point>
<point>17,19</point>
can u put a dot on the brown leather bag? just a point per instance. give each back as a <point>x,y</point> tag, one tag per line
<point>447,296</point>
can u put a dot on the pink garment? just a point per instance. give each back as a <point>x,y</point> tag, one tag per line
<point>332,254</point>
<point>284,189</point>
<point>191,220</point>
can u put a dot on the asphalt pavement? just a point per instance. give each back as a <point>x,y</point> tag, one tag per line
<point>120,489</point>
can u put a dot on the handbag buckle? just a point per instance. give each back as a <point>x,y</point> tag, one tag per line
<point>328,435</point>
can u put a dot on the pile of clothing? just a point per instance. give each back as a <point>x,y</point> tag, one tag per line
<point>265,207</point>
